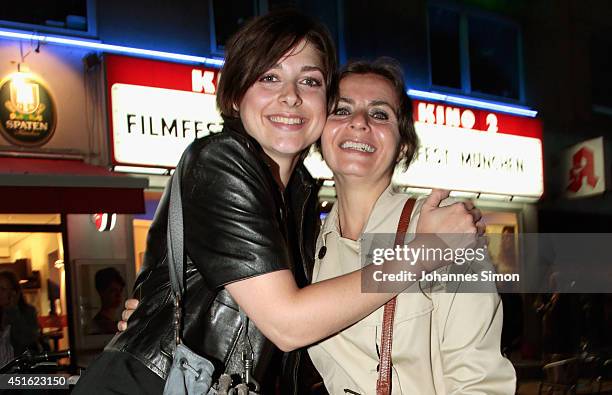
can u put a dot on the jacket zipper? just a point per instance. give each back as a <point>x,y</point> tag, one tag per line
<point>305,269</point>
<point>301,234</point>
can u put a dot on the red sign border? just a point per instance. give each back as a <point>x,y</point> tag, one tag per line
<point>120,69</point>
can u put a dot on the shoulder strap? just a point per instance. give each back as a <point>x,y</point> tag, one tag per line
<point>383,385</point>
<point>175,241</point>
<point>175,233</point>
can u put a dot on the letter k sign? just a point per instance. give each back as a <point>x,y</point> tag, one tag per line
<point>202,81</point>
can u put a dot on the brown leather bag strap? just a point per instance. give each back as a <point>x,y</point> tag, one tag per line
<point>383,385</point>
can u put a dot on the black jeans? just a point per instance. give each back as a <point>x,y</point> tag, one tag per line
<point>115,372</point>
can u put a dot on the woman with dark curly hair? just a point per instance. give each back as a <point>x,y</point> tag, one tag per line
<point>443,343</point>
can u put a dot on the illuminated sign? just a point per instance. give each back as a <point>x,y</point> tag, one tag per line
<point>27,112</point>
<point>203,81</point>
<point>471,150</point>
<point>157,108</point>
<point>451,116</point>
<point>462,160</point>
<point>475,119</point>
<point>152,126</point>
<point>584,169</point>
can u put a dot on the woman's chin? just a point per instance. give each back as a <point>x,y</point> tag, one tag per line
<point>353,172</point>
<point>291,150</point>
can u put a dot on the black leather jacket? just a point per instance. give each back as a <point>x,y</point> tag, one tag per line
<point>238,224</point>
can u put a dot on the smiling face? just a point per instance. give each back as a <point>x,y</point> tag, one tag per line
<point>285,109</point>
<point>361,138</point>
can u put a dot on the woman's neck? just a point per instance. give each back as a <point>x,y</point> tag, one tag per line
<point>282,168</point>
<point>356,200</point>
<point>286,170</point>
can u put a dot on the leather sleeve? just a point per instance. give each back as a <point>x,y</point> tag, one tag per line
<point>231,214</point>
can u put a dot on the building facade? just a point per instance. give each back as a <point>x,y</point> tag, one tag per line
<point>501,90</point>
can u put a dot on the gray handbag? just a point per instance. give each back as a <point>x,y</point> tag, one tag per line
<point>190,373</point>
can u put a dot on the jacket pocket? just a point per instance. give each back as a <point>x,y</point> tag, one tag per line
<point>412,305</point>
<point>409,306</point>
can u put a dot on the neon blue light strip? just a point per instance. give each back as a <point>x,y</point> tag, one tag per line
<point>109,48</point>
<point>20,35</point>
<point>487,105</point>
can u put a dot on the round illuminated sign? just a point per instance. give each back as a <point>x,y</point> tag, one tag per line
<point>27,111</point>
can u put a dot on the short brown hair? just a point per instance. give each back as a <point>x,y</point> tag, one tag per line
<point>259,45</point>
<point>389,69</point>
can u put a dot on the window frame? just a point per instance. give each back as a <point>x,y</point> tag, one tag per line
<point>464,51</point>
<point>91,32</point>
<point>260,7</point>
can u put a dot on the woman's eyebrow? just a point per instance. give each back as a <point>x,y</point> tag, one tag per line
<point>312,68</point>
<point>279,66</point>
<point>372,103</point>
<point>380,103</point>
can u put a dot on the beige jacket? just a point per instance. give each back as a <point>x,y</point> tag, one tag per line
<point>442,344</point>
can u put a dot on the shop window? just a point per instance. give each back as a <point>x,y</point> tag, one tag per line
<point>30,219</point>
<point>474,54</point>
<point>141,230</point>
<point>101,287</point>
<point>64,17</point>
<point>502,231</point>
<point>504,250</point>
<point>601,80</point>
<point>35,259</point>
<point>227,16</point>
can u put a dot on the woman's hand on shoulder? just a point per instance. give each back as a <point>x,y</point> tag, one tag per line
<point>458,224</point>
<point>453,218</point>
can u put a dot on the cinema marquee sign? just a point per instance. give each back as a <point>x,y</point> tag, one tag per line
<point>157,108</point>
<point>474,150</point>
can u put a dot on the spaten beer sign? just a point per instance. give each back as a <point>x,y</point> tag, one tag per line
<point>27,112</point>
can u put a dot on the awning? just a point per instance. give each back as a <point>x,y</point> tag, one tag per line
<point>32,186</point>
